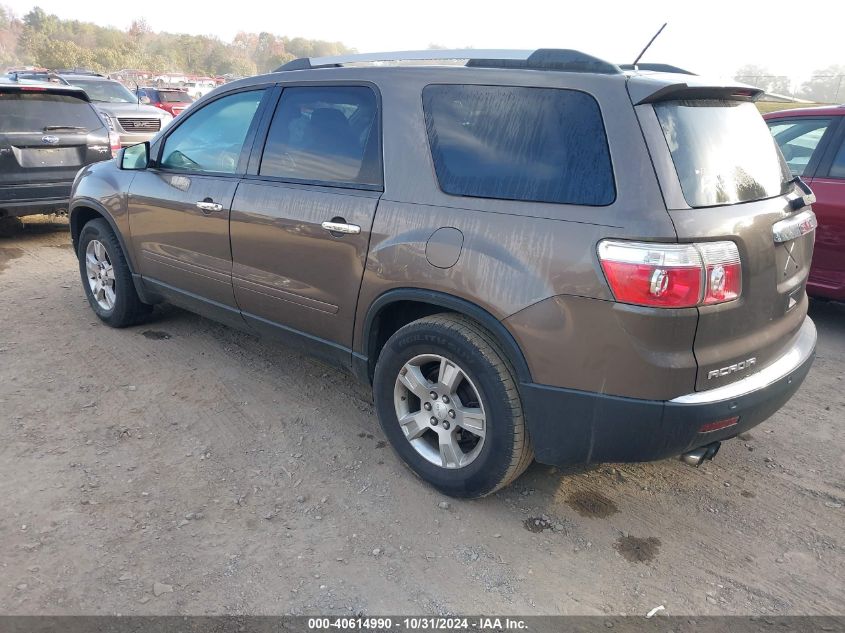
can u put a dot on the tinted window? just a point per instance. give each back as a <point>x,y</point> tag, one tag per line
<point>211,139</point>
<point>325,134</point>
<point>536,144</point>
<point>33,111</point>
<point>798,140</point>
<point>722,151</point>
<point>837,169</point>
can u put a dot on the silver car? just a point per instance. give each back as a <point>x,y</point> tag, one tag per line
<point>134,122</point>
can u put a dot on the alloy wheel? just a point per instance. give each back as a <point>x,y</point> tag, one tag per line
<point>440,411</point>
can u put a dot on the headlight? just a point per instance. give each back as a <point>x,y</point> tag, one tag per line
<point>165,120</point>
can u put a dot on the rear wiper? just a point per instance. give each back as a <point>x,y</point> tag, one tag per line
<point>804,200</point>
<point>48,128</point>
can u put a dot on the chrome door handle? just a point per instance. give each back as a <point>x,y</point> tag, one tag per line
<point>209,206</point>
<point>341,227</point>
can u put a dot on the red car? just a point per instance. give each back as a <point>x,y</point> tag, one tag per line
<point>168,99</point>
<point>812,141</point>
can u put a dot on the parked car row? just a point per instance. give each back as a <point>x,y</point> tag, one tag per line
<point>52,123</point>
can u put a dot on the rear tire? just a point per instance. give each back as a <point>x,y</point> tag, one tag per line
<point>106,277</point>
<point>471,439</point>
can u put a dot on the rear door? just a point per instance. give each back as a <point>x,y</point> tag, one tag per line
<point>828,183</point>
<point>302,216</point>
<point>725,179</point>
<point>46,136</point>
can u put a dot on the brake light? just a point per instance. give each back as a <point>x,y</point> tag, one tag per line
<point>114,142</point>
<point>723,271</point>
<point>671,275</point>
<point>33,89</point>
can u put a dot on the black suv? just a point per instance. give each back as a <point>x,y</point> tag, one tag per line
<point>48,131</point>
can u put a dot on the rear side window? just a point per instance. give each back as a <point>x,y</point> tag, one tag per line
<point>722,151</point>
<point>837,169</point>
<point>514,143</point>
<point>326,133</point>
<point>32,111</point>
<point>798,140</point>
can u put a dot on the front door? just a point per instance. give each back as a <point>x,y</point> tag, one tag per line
<point>301,218</point>
<point>179,208</point>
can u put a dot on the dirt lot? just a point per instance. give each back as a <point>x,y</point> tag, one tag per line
<point>183,467</point>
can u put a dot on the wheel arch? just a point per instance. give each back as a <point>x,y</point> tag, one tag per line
<point>400,306</point>
<point>84,210</point>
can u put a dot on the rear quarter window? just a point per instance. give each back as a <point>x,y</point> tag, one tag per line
<point>517,143</point>
<point>32,111</point>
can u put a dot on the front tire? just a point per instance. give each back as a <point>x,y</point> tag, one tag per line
<point>106,277</point>
<point>447,400</point>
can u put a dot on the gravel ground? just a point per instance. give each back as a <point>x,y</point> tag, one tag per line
<point>183,467</point>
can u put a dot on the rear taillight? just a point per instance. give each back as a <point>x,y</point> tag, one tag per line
<point>114,142</point>
<point>671,275</point>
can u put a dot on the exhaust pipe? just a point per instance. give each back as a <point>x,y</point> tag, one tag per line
<point>698,455</point>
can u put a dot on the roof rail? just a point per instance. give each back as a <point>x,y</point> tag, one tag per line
<point>656,68</point>
<point>541,59</point>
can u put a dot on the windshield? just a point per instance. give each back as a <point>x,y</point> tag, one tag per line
<point>174,96</point>
<point>105,91</point>
<point>723,152</point>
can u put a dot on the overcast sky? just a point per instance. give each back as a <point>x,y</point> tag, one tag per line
<point>712,37</point>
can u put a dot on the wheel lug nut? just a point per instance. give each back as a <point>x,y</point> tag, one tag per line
<point>446,424</point>
<point>452,413</point>
<point>433,395</point>
<point>433,421</point>
<point>446,399</point>
<point>427,406</point>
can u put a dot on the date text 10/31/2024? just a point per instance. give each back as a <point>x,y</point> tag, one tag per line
<point>418,624</point>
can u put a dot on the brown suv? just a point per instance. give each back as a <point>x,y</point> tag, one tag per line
<point>527,254</point>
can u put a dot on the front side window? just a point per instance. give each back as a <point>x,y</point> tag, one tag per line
<point>513,143</point>
<point>722,151</point>
<point>798,140</point>
<point>325,133</point>
<point>211,139</point>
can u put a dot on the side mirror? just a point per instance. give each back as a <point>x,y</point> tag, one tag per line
<point>135,157</point>
<point>145,100</point>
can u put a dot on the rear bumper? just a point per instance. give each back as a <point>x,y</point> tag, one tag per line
<point>570,427</point>
<point>17,208</point>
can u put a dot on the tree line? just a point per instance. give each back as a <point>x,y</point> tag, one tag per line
<point>42,39</point>
<point>825,85</point>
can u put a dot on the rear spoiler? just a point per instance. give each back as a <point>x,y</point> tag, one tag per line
<point>42,86</point>
<point>660,88</point>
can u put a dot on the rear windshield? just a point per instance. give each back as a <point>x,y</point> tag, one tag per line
<point>723,152</point>
<point>34,111</point>
<point>513,143</point>
<point>173,96</point>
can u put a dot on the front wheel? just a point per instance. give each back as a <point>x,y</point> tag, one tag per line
<point>447,400</point>
<point>106,277</point>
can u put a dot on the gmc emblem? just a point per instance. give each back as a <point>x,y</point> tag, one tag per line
<point>732,369</point>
